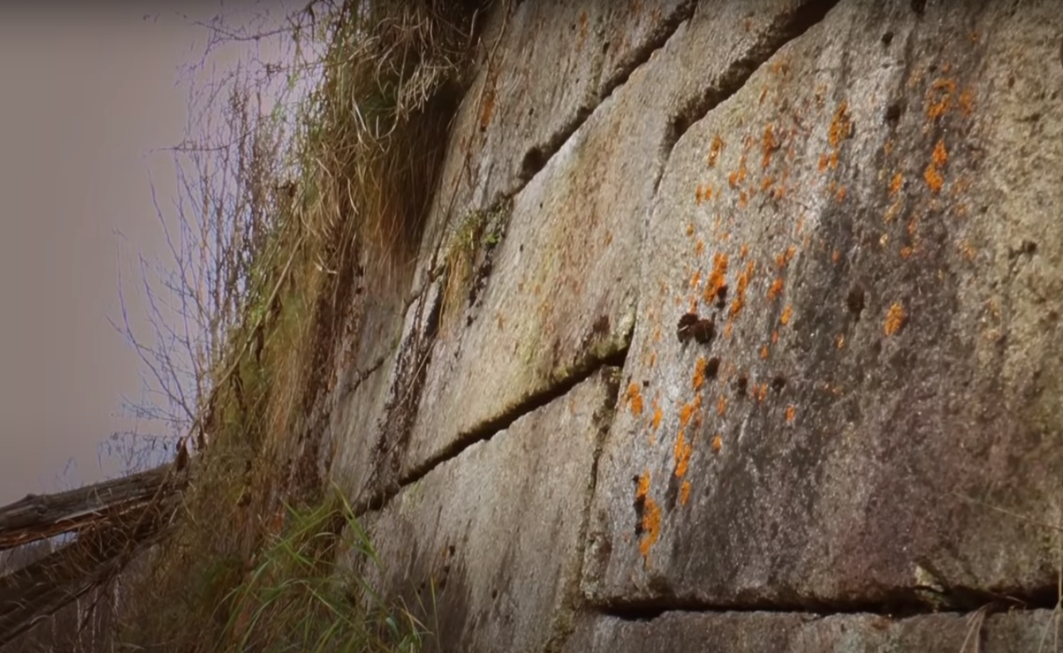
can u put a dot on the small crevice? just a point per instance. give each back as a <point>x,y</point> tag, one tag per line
<point>783,30</point>
<point>491,427</point>
<point>897,603</point>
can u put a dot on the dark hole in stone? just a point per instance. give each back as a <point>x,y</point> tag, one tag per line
<point>887,37</point>
<point>450,550</point>
<point>532,163</point>
<point>740,385</point>
<point>722,296</point>
<point>712,366</point>
<point>893,113</point>
<point>469,321</point>
<point>855,301</point>
<point>605,47</point>
<point>494,593</point>
<point>778,382</point>
<point>646,383</point>
<point>918,6</point>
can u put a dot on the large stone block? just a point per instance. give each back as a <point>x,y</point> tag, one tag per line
<point>486,548</point>
<point>844,383</point>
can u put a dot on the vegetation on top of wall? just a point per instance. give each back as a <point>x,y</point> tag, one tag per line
<point>252,563</point>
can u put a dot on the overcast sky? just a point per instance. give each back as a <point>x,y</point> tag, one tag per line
<point>87,96</point>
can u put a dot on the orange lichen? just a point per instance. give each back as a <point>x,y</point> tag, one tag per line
<point>716,277</point>
<point>939,96</point>
<point>722,405</point>
<point>699,378</point>
<point>743,251</point>
<point>740,292</point>
<point>966,102</point>
<point>681,452</point>
<point>785,317</point>
<point>775,289</point>
<point>938,159</point>
<point>769,144</point>
<point>700,246</point>
<point>906,252</point>
<point>840,195</point>
<point>785,257</point>
<point>835,256</point>
<point>651,522</point>
<point>686,412</point>
<point>775,336</point>
<point>738,175</point>
<point>895,183</point>
<point>696,279</point>
<point>716,444</point>
<point>698,195</point>
<point>766,183</point>
<point>715,148</point>
<point>643,486</point>
<point>742,199</point>
<point>635,399</point>
<point>655,421</point>
<point>764,351</point>
<point>690,231</point>
<point>760,391</point>
<point>841,126</point>
<point>896,318</point>
<point>789,414</point>
<point>685,492</point>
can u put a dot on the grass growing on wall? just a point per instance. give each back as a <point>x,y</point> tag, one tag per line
<point>252,564</point>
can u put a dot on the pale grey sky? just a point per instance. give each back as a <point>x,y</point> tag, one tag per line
<point>87,96</point>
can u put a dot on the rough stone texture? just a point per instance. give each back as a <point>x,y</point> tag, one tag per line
<point>494,536</point>
<point>562,289</point>
<point>1021,631</point>
<point>872,223</point>
<point>544,67</point>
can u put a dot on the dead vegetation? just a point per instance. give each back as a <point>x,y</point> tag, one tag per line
<point>281,227</point>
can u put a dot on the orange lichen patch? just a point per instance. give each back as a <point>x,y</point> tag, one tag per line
<point>840,195</point>
<point>835,256</point>
<point>822,163</point>
<point>760,391</point>
<point>743,199</point>
<point>938,159</point>
<point>769,145</point>
<point>655,421</point>
<point>740,292</point>
<point>790,413</point>
<point>716,277</point>
<point>716,444</point>
<point>743,251</point>
<point>896,183</point>
<point>785,257</point>
<point>966,101</point>
<point>698,195</point>
<point>635,399</point>
<point>690,231</point>
<point>906,252</point>
<point>699,378</point>
<point>681,452</point>
<point>722,405</point>
<point>696,279</point>
<point>738,175</point>
<point>775,336</point>
<point>700,246</point>
<point>939,96</point>
<point>767,183</point>
<point>686,412</point>
<point>968,250</point>
<point>785,317</point>
<point>911,227</point>
<point>840,341</point>
<point>775,289</point>
<point>764,351</point>
<point>841,126</point>
<point>651,522</point>
<point>685,493</point>
<point>715,148</point>
<point>896,318</point>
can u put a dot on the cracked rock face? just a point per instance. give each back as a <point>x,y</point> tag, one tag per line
<point>759,343</point>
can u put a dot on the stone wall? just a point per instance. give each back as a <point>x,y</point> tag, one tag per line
<point>757,345</point>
